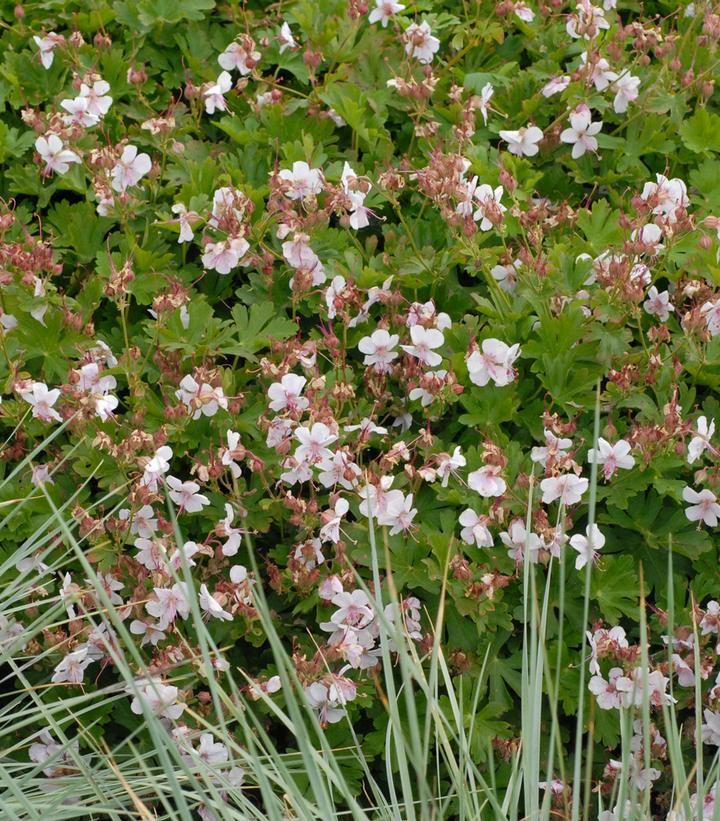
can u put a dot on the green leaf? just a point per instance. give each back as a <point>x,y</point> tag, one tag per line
<point>701,132</point>
<point>257,327</point>
<point>615,587</point>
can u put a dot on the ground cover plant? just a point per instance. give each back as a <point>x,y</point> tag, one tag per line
<point>359,368</point>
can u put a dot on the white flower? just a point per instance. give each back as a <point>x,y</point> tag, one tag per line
<point>523,11</point>
<point>711,728</point>
<point>701,440</point>
<point>582,131</point>
<point>666,195</point>
<point>184,220</point>
<point>304,181</point>
<point>488,203</point>
<point>157,467</point>
<point>587,546</point>
<point>613,693</point>
<point>202,400</point>
<point>159,698</point>
<point>56,157</point>
<point>233,534</point>
<point>185,495</point>
<point>215,94</point>
<point>555,86</point>
<point>96,95</point>
<point>130,169</point>
<point>704,506</point>
<point>224,255</point>
<point>285,38</point>
<point>554,446</point>
<point>517,540</point>
<point>77,109</point>
<point>600,73</point>
<point>420,43</point>
<point>309,553</point>
<point>710,312</point>
<point>487,481</point>
<point>650,236</point>
<point>383,11</point>
<point>568,488</point>
<point>285,394</point>
<point>236,56</point>
<point>211,606</point>
<point>626,88</point>
<point>611,457</point>
<point>313,443</point>
<point>425,340</point>
<point>72,667</point>
<point>448,465</point>
<point>379,350</point>
<point>482,103</point>
<point>330,532</point>
<point>474,529</point>
<point>398,513</point>
<point>333,293</point>
<point>47,46</point>
<point>493,362</point>
<point>42,401</point>
<point>168,604</point>
<point>356,195</point>
<point>523,143</point>
<point>658,304</point>
<point>506,275</point>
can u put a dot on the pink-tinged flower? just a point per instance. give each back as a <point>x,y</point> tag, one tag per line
<point>704,507</point>
<point>448,465</point>
<point>582,131</point>
<point>285,38</point>
<point>333,295</point>
<point>658,304</point>
<point>611,457</point>
<point>285,394</point>
<point>626,90</point>
<point>212,606</point>
<point>524,142</point>
<point>600,73</point>
<point>42,401</point>
<point>215,93</point>
<point>185,220</point>
<point>41,475</point>
<point>330,710</point>
<point>587,546</point>
<point>555,86</point>
<point>47,46</point>
<point>711,620</point>
<point>240,56</point>
<point>523,11</point>
<point>506,276</point>
<point>186,496</point>
<point>487,481</point>
<point>72,667</point>
<point>56,157</point>
<point>555,447</point>
<point>168,604</point>
<point>383,11</point>
<point>710,312</point>
<point>130,169</point>
<point>568,489</point>
<point>489,208</point>
<point>159,698</point>
<point>666,196</point>
<point>354,610</point>
<point>224,255</point>
<point>494,361</point>
<point>424,341</point>
<point>701,439</point>
<point>519,542</point>
<point>356,195</point>
<point>420,43</point>
<point>157,467</point>
<point>398,513</point>
<point>303,181</point>
<point>78,112</point>
<point>613,693</point>
<point>711,728</point>
<point>96,95</point>
<point>330,531</point>
<point>474,530</point>
<point>339,469</point>
<point>684,672</point>
<point>649,235</point>
<point>481,102</point>
<point>232,534</point>
<point>587,22</point>
<point>379,350</point>
<point>309,554</point>
<point>201,400</point>
<point>313,443</point>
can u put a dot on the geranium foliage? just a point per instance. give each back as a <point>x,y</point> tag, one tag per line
<point>271,274</point>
